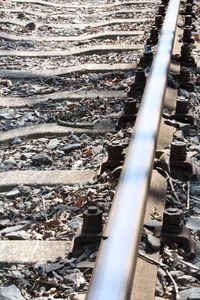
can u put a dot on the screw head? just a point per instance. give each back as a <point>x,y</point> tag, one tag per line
<point>172,210</point>
<point>92,210</point>
<point>188,20</point>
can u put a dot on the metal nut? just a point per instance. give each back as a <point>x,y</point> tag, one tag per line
<point>172,216</point>
<point>92,220</point>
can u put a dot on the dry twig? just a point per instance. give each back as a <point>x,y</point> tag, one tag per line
<point>188,195</point>
<point>44,208</point>
<point>170,181</point>
<point>165,268</point>
<point>176,257</point>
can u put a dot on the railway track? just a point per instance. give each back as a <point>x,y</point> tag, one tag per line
<point>72,77</point>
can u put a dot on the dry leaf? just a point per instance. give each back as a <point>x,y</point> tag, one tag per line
<point>79,202</point>
<point>87,151</point>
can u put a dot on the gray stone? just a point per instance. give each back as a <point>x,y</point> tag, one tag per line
<point>25,190</point>
<point>197,70</point>
<point>12,229</point>
<point>85,265</point>
<point>12,194</point>
<point>77,164</point>
<point>6,82</point>
<point>190,294</point>
<point>20,164</point>
<point>5,116</point>
<point>4,222</point>
<point>193,223</point>
<point>176,274</point>
<point>195,295</point>
<point>76,296</point>
<point>97,149</point>
<point>57,276</point>
<point>152,224</point>
<point>179,135</point>
<point>185,128</point>
<point>43,140</point>
<point>18,235</point>
<point>75,223</point>
<point>16,274</point>
<point>53,143</point>
<point>195,190</point>
<point>197,264</point>
<point>195,147</point>
<point>194,140</point>
<point>75,278</point>
<point>16,141</point>
<point>106,124</point>
<point>48,268</point>
<point>172,82</point>
<point>84,136</point>
<point>41,158</point>
<point>10,292</point>
<point>28,117</point>
<point>27,155</point>
<point>3,167</point>
<point>186,279</point>
<point>27,44</point>
<point>10,161</point>
<point>71,147</point>
<point>6,167</point>
<point>153,242</point>
<point>183,93</point>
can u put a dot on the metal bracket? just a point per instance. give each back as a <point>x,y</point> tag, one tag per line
<point>179,162</point>
<point>91,232</point>
<point>115,157</point>
<point>173,230</point>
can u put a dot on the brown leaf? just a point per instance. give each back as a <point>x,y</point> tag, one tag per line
<point>52,223</point>
<point>79,202</point>
<point>87,151</point>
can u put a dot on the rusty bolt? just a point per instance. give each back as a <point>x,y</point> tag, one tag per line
<point>184,75</point>
<point>92,210</point>
<point>185,51</point>
<point>178,151</point>
<point>182,106</point>
<point>148,51</point>
<point>140,81</point>
<point>188,9</point>
<point>172,220</point>
<point>115,147</point>
<point>172,216</point>
<point>187,33</point>
<point>140,76</point>
<point>115,150</point>
<point>158,21</point>
<point>188,20</point>
<point>153,35</point>
<point>161,10</point>
<point>147,57</point>
<point>165,2</point>
<point>187,85</point>
<point>92,220</point>
<point>154,32</point>
<point>130,106</point>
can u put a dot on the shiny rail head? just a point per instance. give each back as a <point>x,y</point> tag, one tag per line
<point>115,266</point>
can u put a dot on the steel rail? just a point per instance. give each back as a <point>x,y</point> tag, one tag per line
<point>114,270</point>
